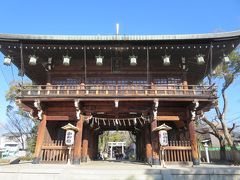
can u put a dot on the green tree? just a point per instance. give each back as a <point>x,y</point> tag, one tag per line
<point>117,136</point>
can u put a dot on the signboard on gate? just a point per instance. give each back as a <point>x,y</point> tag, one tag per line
<point>69,138</point>
<point>163,138</point>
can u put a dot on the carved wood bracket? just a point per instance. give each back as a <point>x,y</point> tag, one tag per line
<point>78,111</point>
<point>155,107</point>
<point>195,105</point>
<point>37,105</point>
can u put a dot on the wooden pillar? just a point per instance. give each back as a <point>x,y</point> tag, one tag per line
<point>140,147</point>
<point>143,145</point>
<point>185,83</point>
<point>155,144</point>
<point>137,146</point>
<point>90,143</point>
<point>49,81</point>
<point>85,142</point>
<point>148,144</point>
<point>193,140</point>
<point>40,139</point>
<point>95,145</point>
<point>78,142</point>
<point>89,146</point>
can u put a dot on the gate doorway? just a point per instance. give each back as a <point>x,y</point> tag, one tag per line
<point>117,146</point>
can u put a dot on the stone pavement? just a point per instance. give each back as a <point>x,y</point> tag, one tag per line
<point>116,171</point>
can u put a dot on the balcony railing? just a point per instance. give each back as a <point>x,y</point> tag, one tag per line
<point>101,90</point>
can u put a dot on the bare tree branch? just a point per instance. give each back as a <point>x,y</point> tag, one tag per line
<point>233,127</point>
<point>18,125</point>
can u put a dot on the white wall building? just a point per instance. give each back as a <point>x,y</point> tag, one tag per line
<point>13,139</point>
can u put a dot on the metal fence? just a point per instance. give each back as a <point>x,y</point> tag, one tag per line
<point>214,155</point>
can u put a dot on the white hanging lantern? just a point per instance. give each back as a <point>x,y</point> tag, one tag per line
<point>133,60</point>
<point>116,103</point>
<point>166,60</point>
<point>66,60</point>
<point>226,59</point>
<point>99,60</point>
<point>200,59</point>
<point>7,61</point>
<point>32,60</point>
<point>49,64</point>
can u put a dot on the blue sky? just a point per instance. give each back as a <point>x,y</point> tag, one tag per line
<point>134,17</point>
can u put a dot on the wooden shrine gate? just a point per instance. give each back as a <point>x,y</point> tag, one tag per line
<point>136,78</point>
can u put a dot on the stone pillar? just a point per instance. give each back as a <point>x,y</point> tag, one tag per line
<point>78,142</point>
<point>155,144</point>
<point>40,139</point>
<point>193,140</point>
<point>148,144</point>
<point>85,142</point>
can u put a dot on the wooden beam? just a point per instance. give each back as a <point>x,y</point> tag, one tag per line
<point>177,148</point>
<point>55,147</point>
<point>40,139</point>
<point>57,118</point>
<point>125,98</point>
<point>168,118</point>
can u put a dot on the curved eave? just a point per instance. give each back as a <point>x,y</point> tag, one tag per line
<point>19,37</point>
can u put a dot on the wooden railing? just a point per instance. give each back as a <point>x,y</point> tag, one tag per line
<point>97,90</point>
<point>54,152</point>
<point>178,151</point>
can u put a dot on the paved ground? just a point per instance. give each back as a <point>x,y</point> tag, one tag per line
<point>117,170</point>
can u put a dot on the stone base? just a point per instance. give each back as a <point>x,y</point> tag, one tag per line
<point>76,161</point>
<point>84,159</point>
<point>196,162</point>
<point>155,162</point>
<point>14,160</point>
<point>36,160</point>
<point>149,160</point>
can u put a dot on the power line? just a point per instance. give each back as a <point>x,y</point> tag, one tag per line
<point>235,119</point>
<point>4,77</point>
